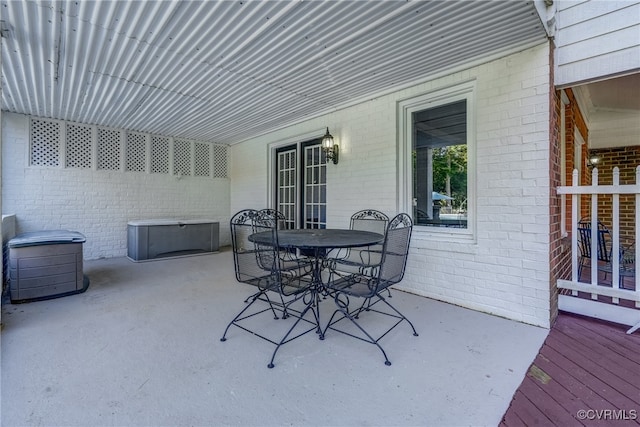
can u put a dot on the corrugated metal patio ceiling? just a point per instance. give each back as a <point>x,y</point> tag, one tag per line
<point>225,71</point>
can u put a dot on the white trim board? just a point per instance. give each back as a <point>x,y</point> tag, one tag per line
<point>611,313</point>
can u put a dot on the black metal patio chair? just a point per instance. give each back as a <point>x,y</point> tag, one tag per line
<point>604,247</point>
<point>274,217</point>
<point>368,283</point>
<point>369,220</point>
<point>289,257</point>
<point>281,288</point>
<point>364,220</point>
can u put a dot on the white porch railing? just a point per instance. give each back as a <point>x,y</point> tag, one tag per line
<point>613,312</point>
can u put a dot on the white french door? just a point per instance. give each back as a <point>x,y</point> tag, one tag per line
<point>301,185</point>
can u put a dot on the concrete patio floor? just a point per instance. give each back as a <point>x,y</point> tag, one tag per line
<point>141,347</point>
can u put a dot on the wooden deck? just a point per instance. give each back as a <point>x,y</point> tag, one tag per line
<point>587,373</point>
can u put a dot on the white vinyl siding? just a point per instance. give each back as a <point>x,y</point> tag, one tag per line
<point>596,39</point>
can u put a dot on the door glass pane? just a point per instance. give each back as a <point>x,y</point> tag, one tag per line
<point>315,187</point>
<point>286,185</point>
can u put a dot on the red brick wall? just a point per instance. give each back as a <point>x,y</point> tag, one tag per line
<point>626,159</point>
<point>575,120</point>
<point>559,251</point>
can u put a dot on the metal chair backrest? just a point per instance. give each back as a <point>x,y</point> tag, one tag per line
<point>369,220</point>
<point>274,218</point>
<point>395,250</point>
<point>603,244</point>
<point>244,257</point>
<point>268,221</point>
<point>254,263</point>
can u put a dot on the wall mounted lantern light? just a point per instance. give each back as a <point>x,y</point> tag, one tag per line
<point>330,148</point>
<point>593,160</point>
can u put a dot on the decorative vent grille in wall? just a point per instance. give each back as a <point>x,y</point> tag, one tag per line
<point>181,157</point>
<point>108,149</point>
<point>159,154</point>
<point>202,160</point>
<point>45,143</point>
<point>55,143</point>
<point>219,161</point>
<point>136,152</point>
<point>78,146</point>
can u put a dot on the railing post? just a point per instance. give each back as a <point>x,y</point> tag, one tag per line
<point>624,315</point>
<point>574,230</point>
<point>636,243</point>
<point>615,250</point>
<point>616,229</point>
<point>594,232</point>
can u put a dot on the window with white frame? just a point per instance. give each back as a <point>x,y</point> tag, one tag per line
<point>437,146</point>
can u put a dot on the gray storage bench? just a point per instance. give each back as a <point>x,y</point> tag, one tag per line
<point>46,264</point>
<point>154,239</point>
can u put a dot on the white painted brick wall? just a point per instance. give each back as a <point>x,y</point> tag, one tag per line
<point>506,271</point>
<point>99,203</point>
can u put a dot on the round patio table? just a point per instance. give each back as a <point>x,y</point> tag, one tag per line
<point>320,238</point>
<point>318,241</point>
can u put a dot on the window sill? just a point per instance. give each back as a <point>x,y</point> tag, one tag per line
<point>444,239</point>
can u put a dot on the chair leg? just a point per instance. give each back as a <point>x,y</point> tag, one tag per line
<point>415,334</point>
<point>239,316</point>
<point>247,299</point>
<point>368,302</point>
<point>579,270</point>
<point>370,340</point>
<point>287,337</point>
<point>343,308</point>
<point>285,314</point>
<point>284,340</point>
<point>366,306</point>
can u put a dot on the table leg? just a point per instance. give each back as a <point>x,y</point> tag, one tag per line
<point>317,286</point>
